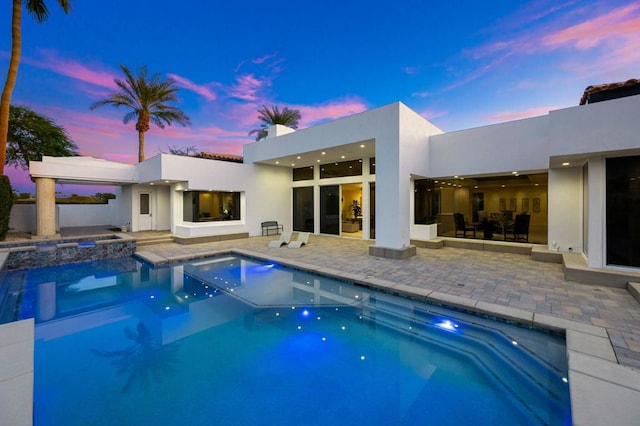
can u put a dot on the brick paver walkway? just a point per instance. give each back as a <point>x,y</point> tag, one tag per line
<point>504,279</point>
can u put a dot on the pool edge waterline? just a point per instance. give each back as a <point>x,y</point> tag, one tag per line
<point>593,369</point>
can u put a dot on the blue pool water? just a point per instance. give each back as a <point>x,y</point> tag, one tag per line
<point>236,341</point>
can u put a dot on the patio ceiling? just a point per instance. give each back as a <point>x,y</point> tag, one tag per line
<point>352,151</point>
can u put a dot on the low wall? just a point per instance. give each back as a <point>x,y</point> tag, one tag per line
<point>23,216</point>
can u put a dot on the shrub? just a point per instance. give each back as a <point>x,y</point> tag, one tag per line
<point>6,201</point>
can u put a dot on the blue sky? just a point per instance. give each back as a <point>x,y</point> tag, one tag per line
<point>459,64</point>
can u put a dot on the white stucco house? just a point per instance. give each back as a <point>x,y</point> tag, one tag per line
<point>575,174</point>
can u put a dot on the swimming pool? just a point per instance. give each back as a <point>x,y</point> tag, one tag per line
<point>233,340</point>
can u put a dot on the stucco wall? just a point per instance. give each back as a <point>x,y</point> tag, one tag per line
<point>602,127</point>
<point>266,192</point>
<point>565,209</point>
<point>521,145</point>
<point>23,216</point>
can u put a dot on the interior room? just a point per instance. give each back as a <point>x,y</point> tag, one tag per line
<point>507,207</point>
<point>351,210</point>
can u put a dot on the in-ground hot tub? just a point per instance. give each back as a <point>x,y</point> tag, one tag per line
<point>29,255</point>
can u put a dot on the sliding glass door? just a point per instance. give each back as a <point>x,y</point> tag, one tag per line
<point>303,209</point>
<point>623,211</point>
<point>330,209</point>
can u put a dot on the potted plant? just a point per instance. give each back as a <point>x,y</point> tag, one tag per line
<point>357,210</point>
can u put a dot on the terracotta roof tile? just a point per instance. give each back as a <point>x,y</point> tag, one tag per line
<point>604,87</point>
<point>221,157</point>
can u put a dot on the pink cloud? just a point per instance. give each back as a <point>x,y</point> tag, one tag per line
<point>72,69</point>
<point>531,13</point>
<point>430,114</point>
<point>619,27</point>
<point>517,115</point>
<point>201,90</point>
<point>264,58</point>
<point>619,23</point>
<point>247,87</point>
<point>314,114</point>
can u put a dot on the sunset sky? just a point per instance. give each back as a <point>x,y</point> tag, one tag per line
<point>459,64</point>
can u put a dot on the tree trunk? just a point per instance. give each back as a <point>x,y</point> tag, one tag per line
<point>142,126</point>
<point>140,146</point>
<point>12,75</point>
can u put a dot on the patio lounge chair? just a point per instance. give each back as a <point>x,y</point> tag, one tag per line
<point>285,237</point>
<point>303,238</point>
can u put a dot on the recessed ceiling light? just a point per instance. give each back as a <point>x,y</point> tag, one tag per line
<point>293,164</point>
<point>151,183</point>
<point>455,177</point>
<point>503,185</point>
<point>277,162</point>
<point>317,161</point>
<point>323,153</point>
<point>476,187</point>
<point>298,157</point>
<point>362,146</point>
<point>566,163</point>
<point>166,181</point>
<point>342,156</point>
<point>514,173</point>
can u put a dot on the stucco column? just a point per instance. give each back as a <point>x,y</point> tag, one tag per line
<point>45,208</point>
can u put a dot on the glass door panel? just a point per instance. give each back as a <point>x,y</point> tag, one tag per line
<point>303,209</point>
<point>330,209</point>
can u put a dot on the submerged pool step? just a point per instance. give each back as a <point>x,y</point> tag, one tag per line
<point>492,351</point>
<point>497,340</point>
<point>11,292</point>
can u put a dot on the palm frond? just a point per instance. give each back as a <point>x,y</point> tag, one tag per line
<point>38,9</point>
<point>272,116</point>
<point>148,98</point>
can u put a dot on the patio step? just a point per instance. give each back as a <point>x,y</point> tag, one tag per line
<point>154,241</point>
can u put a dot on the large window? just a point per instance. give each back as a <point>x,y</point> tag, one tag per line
<point>623,211</point>
<point>426,201</point>
<point>341,169</point>
<point>491,203</point>
<point>207,206</point>
<point>303,173</point>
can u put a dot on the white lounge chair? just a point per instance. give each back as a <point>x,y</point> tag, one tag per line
<point>285,237</point>
<point>303,238</point>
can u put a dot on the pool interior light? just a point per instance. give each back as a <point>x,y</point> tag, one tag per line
<point>447,325</point>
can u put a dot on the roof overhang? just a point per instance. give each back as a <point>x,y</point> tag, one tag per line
<point>83,170</point>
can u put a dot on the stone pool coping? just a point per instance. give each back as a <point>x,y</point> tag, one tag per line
<point>601,390</point>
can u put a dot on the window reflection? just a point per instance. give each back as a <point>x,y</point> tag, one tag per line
<point>207,206</point>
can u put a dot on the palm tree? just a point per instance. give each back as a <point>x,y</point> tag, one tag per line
<point>147,98</point>
<point>270,117</point>
<point>39,10</point>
